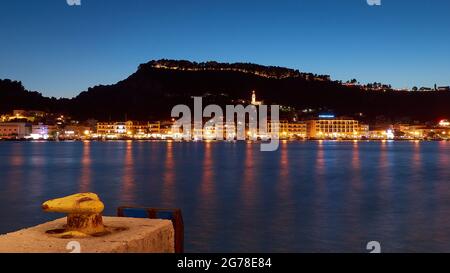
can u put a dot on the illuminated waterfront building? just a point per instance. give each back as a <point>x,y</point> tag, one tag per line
<point>288,129</point>
<point>166,127</point>
<point>407,131</point>
<point>128,129</point>
<point>364,130</point>
<point>419,132</point>
<point>154,127</point>
<point>330,127</point>
<point>444,123</point>
<point>110,128</point>
<point>137,128</point>
<point>39,131</point>
<point>76,132</point>
<point>213,133</point>
<point>378,134</point>
<point>14,130</point>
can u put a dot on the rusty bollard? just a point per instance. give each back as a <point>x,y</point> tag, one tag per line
<point>84,215</point>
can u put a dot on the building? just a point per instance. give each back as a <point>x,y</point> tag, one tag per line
<point>29,113</point>
<point>39,131</point>
<point>213,133</point>
<point>296,129</point>
<point>128,129</point>
<point>364,130</point>
<point>422,131</point>
<point>330,127</point>
<point>166,127</point>
<point>114,129</point>
<point>408,131</point>
<point>137,128</point>
<point>14,130</point>
<point>30,116</point>
<point>289,129</point>
<point>444,123</point>
<point>378,134</point>
<point>154,128</point>
<point>254,101</point>
<point>75,132</point>
<point>110,128</point>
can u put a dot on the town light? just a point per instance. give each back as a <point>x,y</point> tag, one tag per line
<point>444,123</point>
<point>390,134</point>
<point>327,116</point>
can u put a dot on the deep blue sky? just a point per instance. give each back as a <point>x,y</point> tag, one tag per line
<point>61,50</point>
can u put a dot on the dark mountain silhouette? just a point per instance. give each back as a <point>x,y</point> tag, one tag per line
<point>152,91</point>
<point>13,95</point>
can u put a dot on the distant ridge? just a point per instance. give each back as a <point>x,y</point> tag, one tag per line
<point>274,72</point>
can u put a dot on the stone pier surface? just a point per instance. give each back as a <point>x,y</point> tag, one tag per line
<point>132,235</point>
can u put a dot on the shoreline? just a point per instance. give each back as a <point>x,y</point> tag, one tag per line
<point>223,141</point>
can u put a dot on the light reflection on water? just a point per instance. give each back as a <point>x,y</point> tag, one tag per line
<point>306,197</point>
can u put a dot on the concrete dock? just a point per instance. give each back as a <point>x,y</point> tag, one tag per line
<point>130,235</point>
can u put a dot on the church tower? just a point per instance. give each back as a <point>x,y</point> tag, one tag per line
<point>254,98</point>
<point>254,101</point>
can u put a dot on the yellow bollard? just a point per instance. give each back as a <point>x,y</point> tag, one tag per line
<point>84,215</point>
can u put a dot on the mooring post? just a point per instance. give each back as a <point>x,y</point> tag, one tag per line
<point>86,227</point>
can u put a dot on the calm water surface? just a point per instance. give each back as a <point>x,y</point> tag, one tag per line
<point>306,197</point>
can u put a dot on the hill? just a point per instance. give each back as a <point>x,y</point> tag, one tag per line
<point>156,86</point>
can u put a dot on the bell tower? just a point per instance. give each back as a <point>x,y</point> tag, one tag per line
<point>254,97</point>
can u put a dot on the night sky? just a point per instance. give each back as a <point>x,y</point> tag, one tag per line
<point>61,50</point>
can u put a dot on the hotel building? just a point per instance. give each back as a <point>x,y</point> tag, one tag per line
<point>295,129</point>
<point>330,127</point>
<point>287,129</point>
<point>128,128</point>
